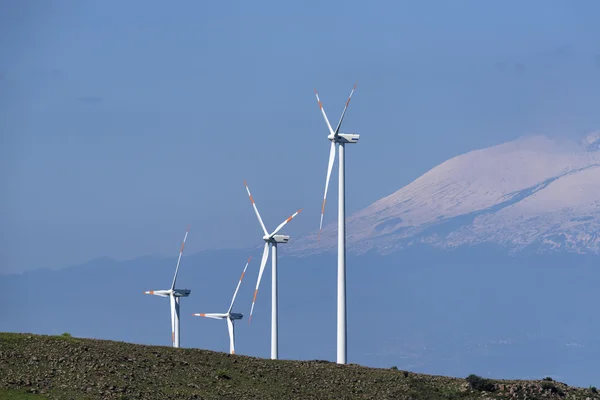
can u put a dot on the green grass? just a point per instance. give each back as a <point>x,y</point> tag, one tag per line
<point>10,394</point>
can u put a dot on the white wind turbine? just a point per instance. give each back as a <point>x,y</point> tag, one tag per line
<point>271,240</point>
<point>341,139</point>
<point>231,317</point>
<point>174,295</point>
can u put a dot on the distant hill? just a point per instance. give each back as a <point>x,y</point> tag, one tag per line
<point>61,367</point>
<point>533,193</point>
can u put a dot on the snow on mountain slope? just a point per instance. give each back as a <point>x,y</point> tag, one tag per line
<point>529,192</point>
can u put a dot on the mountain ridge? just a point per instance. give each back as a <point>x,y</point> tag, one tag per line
<point>533,192</point>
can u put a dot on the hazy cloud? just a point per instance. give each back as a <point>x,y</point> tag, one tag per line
<point>502,66</point>
<point>90,99</point>
<point>45,73</point>
<point>564,51</point>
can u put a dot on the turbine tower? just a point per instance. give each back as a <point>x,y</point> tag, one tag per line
<point>231,317</point>
<point>271,240</point>
<point>174,295</point>
<point>341,139</point>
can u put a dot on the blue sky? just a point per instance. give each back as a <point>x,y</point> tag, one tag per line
<point>122,122</point>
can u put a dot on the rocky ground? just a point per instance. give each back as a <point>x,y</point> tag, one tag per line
<point>61,367</point>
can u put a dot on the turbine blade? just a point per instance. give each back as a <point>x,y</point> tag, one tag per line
<point>213,315</point>
<point>337,130</point>
<point>263,263</point>
<point>238,285</point>
<point>161,293</point>
<point>231,336</point>
<point>256,209</point>
<point>329,169</point>
<point>172,298</point>
<point>179,259</point>
<point>284,223</point>
<point>323,112</point>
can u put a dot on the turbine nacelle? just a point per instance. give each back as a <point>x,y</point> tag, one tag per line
<point>346,138</point>
<point>236,316</point>
<point>181,292</point>
<point>167,293</point>
<point>229,315</point>
<point>276,238</point>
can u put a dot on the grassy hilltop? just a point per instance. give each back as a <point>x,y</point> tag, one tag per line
<point>61,367</point>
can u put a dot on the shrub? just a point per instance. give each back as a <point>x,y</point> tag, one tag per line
<point>66,334</point>
<point>593,389</point>
<point>222,374</point>
<point>479,383</point>
<point>548,379</point>
<point>394,368</point>
<point>405,373</point>
<point>552,388</point>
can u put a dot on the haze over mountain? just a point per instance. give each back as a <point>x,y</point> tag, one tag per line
<point>533,193</point>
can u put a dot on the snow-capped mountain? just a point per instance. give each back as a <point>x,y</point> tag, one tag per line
<point>592,142</point>
<point>529,193</point>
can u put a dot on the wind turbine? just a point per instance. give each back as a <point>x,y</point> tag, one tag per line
<point>271,240</point>
<point>341,139</point>
<point>174,295</point>
<point>231,317</point>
